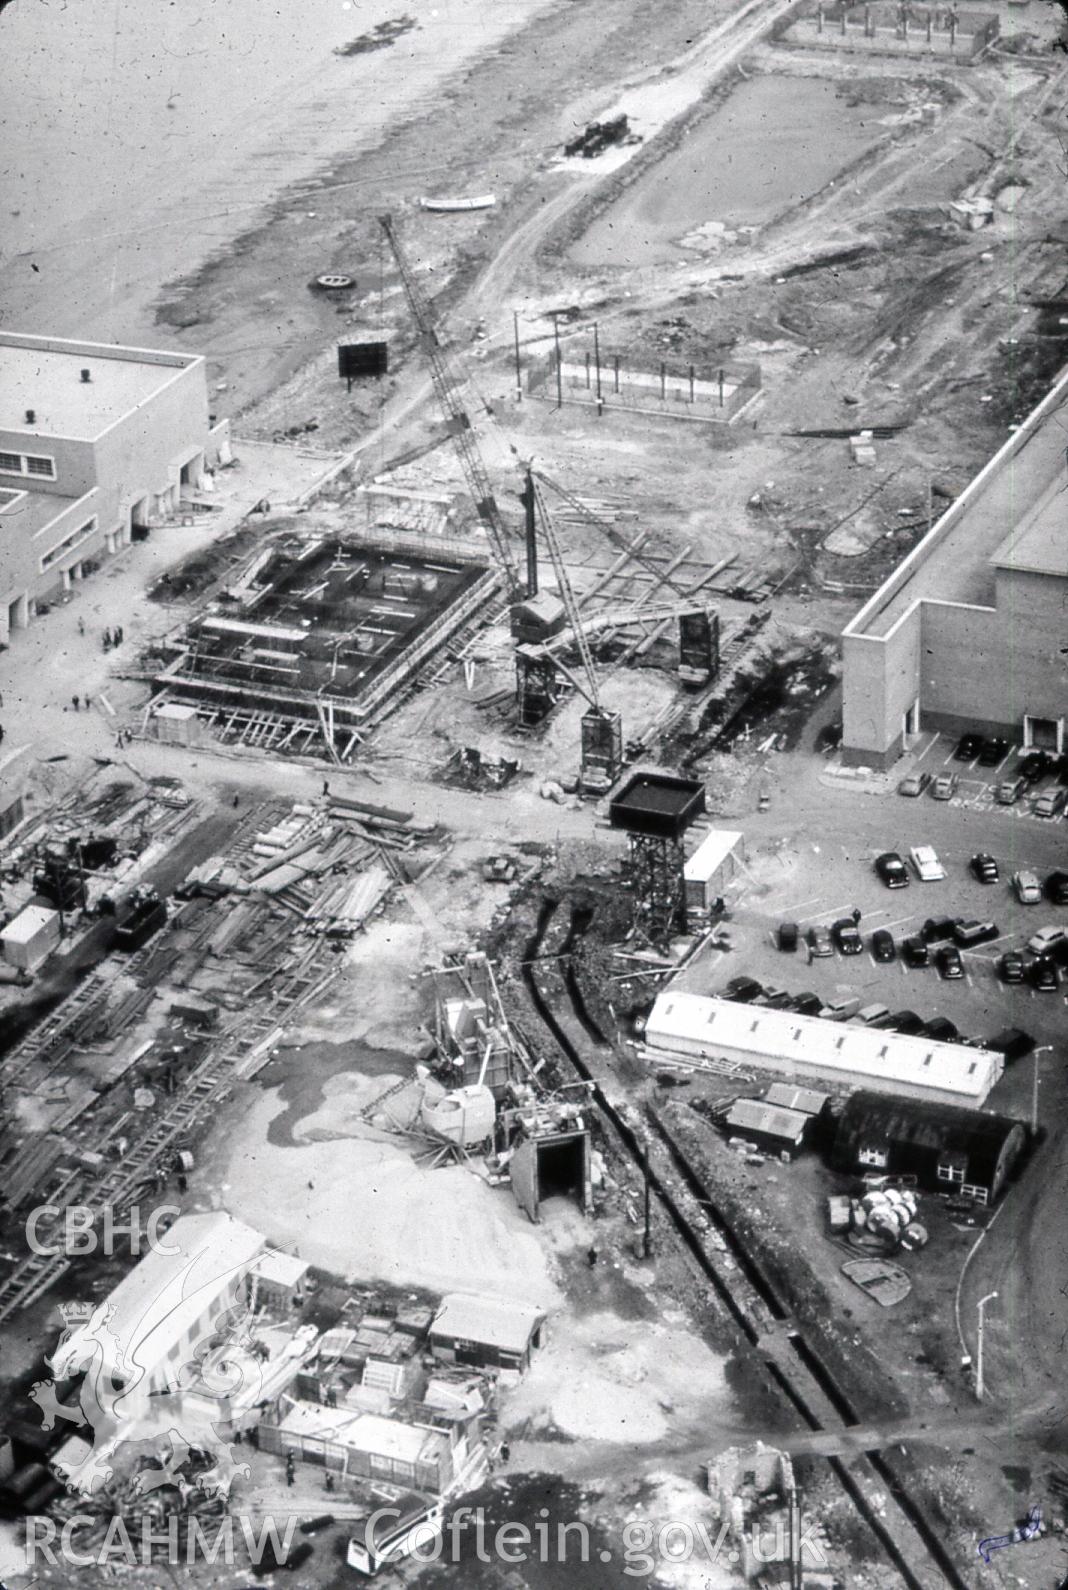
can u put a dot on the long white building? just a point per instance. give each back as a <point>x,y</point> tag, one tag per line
<point>810,1046</point>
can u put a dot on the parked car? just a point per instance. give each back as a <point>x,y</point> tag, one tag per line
<point>906,1022</point>
<point>1042,942</point>
<point>944,787</point>
<point>774,999</point>
<point>786,936</point>
<point>847,936</point>
<point>984,867</point>
<point>872,1013</point>
<point>995,749</point>
<point>1027,887</point>
<point>882,945</point>
<point>1034,766</point>
<point>938,928</point>
<point>1011,967</point>
<point>914,784</point>
<point>949,963</point>
<point>1057,887</point>
<point>807,1004</point>
<point>941,1029</point>
<point>840,1009</point>
<point>1048,803</point>
<point>819,942</point>
<point>742,990</point>
<point>928,867</point>
<point>1042,974</point>
<point>892,870</point>
<point>1009,791</point>
<point>914,951</point>
<point>968,934</point>
<point>968,747</point>
<point>1012,1042</point>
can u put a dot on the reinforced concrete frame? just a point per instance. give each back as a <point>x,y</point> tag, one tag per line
<point>657,866</point>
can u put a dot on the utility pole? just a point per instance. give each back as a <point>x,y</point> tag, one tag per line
<point>983,1301</point>
<point>559,372</point>
<point>647,1242</point>
<point>1042,1048</point>
<point>518,367</point>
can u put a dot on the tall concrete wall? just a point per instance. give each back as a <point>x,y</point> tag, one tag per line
<point>880,682</point>
<point>141,453</point>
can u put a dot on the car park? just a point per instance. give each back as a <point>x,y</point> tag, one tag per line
<point>1057,887</point>
<point>1009,791</point>
<point>944,787</point>
<point>914,784</point>
<point>1042,974</point>
<point>840,1009</point>
<point>949,963</point>
<point>914,951</point>
<point>847,936</point>
<point>1011,967</point>
<point>906,1022</point>
<point>872,1013</point>
<point>819,942</point>
<point>938,928</point>
<point>1012,1042</point>
<point>883,947</point>
<point>1034,766</point>
<point>807,1004</point>
<point>984,867</point>
<point>995,749</point>
<point>892,870</point>
<point>1042,942</point>
<point>1027,887</point>
<point>742,990</point>
<point>786,936</point>
<point>928,867</point>
<point>968,934</point>
<point>968,747</point>
<point>941,1029</point>
<point>1049,803</point>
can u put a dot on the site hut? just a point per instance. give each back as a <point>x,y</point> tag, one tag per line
<point>486,1333</point>
<point>278,1282</point>
<point>361,1445</point>
<point>29,938</point>
<point>814,1105</point>
<point>970,1152</point>
<point>716,861</point>
<point>166,1307</point>
<point>97,444</point>
<point>796,1046</point>
<point>968,632</point>
<point>768,1126</point>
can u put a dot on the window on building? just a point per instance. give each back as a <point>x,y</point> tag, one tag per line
<point>11,463</point>
<point>978,1194</point>
<point>37,464</point>
<point>878,1157</point>
<point>67,544</point>
<point>954,1174</point>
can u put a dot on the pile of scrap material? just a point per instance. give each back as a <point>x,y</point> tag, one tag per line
<point>884,1218</point>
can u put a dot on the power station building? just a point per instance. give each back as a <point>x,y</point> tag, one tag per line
<point>969,632</point>
<point>96,442</point>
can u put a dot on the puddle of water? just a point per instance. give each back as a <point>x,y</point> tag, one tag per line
<point>773,143</point>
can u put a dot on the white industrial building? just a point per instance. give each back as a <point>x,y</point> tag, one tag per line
<point>97,443</point>
<point>796,1046</point>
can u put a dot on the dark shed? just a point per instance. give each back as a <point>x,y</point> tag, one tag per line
<point>946,1148</point>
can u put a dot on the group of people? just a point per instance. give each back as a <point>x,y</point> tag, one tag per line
<point>78,702</point>
<point>113,637</point>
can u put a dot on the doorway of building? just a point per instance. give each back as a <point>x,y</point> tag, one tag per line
<point>1043,734</point>
<point>910,722</point>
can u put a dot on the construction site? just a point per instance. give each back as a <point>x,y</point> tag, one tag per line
<point>389,902</point>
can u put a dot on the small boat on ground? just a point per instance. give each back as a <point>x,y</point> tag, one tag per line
<point>475,201</point>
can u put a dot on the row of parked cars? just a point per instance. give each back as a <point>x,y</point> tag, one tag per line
<point>1030,770</point>
<point>1013,1042</point>
<point>1028,887</point>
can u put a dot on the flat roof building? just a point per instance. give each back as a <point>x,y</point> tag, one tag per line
<point>96,441</point>
<point>969,630</point>
<point>488,1332</point>
<point>810,1046</point>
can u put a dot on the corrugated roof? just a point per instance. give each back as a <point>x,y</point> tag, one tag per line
<point>490,1321</point>
<point>788,1097</point>
<point>754,1115</point>
<point>976,1134</point>
<point>164,1296</point>
<point>700,1023</point>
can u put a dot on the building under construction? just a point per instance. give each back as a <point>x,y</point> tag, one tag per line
<point>319,632</point>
